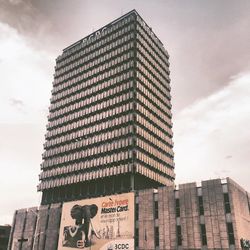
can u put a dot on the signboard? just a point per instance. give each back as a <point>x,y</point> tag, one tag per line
<point>104,223</point>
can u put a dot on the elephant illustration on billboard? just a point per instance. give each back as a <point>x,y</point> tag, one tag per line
<point>79,235</point>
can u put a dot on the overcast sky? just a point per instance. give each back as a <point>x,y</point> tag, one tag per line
<point>209,47</point>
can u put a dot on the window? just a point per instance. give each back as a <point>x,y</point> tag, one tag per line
<point>203,235</point>
<point>179,237</point>
<point>230,232</point>
<point>137,237</point>
<point>227,203</point>
<point>177,207</point>
<point>156,210</point>
<point>157,236</point>
<point>136,211</point>
<point>201,208</point>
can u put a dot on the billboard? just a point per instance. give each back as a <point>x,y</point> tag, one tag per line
<point>104,223</point>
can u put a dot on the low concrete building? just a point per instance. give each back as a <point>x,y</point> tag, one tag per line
<point>214,215</point>
<point>4,236</point>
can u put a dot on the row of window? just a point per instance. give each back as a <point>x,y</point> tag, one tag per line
<point>121,46</point>
<point>161,145</point>
<point>156,100</point>
<point>92,68</point>
<point>179,236</point>
<point>96,61</point>
<point>157,123</point>
<point>154,131</point>
<point>201,207</point>
<point>92,120</point>
<point>153,112</point>
<point>160,51</point>
<point>202,226</point>
<point>204,236</point>
<point>121,69</point>
<point>103,148</point>
<point>150,162</point>
<point>93,76</point>
<point>162,85</point>
<point>81,177</point>
<point>163,95</point>
<point>96,41</point>
<point>146,57</point>
<point>105,89</point>
<point>88,54</point>
<point>145,145</point>
<point>86,141</point>
<point>89,106</point>
<point>90,131</point>
<point>79,167</point>
<point>108,149</point>
<point>112,157</point>
<point>144,170</point>
<point>145,40</point>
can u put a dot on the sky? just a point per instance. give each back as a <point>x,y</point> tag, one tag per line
<point>209,46</point>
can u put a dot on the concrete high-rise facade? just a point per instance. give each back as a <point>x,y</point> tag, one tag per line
<point>109,125</point>
<point>107,172</point>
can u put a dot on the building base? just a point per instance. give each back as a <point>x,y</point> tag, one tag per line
<point>215,215</point>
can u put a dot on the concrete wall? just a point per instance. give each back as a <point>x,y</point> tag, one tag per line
<point>214,214</point>
<point>38,228</point>
<point>167,218</point>
<point>189,216</point>
<point>240,211</point>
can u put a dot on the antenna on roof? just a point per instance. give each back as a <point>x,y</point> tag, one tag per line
<point>121,11</point>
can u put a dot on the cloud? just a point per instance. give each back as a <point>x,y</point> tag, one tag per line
<point>16,102</point>
<point>26,79</point>
<point>20,154</point>
<point>26,75</point>
<point>212,135</point>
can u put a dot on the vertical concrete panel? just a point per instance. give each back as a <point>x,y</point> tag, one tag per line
<point>146,220</point>
<point>207,215</point>
<point>239,199</point>
<point>221,216</point>
<point>52,232</point>
<point>40,233</point>
<point>29,229</point>
<point>167,218</point>
<point>19,228</point>
<point>172,217</point>
<point>214,214</point>
<point>195,217</point>
<point>189,216</point>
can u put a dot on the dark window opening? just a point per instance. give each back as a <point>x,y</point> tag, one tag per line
<point>203,235</point>
<point>177,207</point>
<point>136,211</point>
<point>230,232</point>
<point>137,237</point>
<point>179,236</point>
<point>156,210</point>
<point>201,208</point>
<point>227,203</point>
<point>157,240</point>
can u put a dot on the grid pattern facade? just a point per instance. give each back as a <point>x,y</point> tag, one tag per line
<point>109,123</point>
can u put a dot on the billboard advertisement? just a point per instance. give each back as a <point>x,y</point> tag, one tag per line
<point>103,223</point>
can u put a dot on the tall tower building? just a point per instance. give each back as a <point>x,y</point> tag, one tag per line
<point>109,125</point>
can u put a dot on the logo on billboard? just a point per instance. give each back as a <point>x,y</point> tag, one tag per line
<point>105,223</point>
